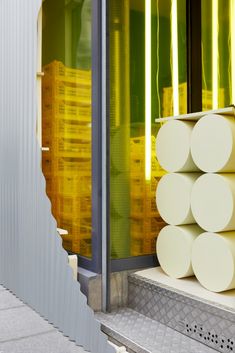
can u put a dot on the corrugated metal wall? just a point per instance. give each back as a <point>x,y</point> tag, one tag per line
<point>33,264</point>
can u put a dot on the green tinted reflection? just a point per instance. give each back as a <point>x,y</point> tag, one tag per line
<point>216,52</point>
<point>135,221</point>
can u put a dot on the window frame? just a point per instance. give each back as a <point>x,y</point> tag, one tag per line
<point>101,261</point>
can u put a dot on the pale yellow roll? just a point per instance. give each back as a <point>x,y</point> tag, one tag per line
<point>213,202</point>
<point>173,146</point>
<point>173,197</point>
<point>213,260</point>
<point>213,143</point>
<point>174,248</point>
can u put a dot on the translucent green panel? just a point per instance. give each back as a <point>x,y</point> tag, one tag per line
<point>217,45</point>
<point>147,80</point>
<point>66,118</point>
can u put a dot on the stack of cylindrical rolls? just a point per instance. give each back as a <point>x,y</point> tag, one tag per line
<point>197,200</point>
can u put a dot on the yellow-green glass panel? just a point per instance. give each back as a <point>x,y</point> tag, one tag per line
<point>217,53</point>
<point>147,43</point>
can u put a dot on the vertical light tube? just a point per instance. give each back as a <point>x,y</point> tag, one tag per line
<point>148,90</point>
<point>232,44</point>
<point>175,66</point>
<point>117,76</point>
<point>215,87</point>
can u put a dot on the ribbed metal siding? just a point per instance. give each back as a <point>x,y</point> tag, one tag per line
<point>33,264</point>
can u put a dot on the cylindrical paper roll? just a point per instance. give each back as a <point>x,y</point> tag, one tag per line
<point>213,201</point>
<point>174,249</point>
<point>213,260</point>
<point>173,197</point>
<point>173,146</point>
<point>213,143</point>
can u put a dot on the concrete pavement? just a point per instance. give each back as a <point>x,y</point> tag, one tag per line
<point>22,330</point>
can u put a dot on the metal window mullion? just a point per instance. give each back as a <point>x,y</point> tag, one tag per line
<point>194,57</point>
<point>96,264</point>
<point>105,161</point>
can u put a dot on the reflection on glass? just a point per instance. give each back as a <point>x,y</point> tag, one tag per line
<point>174,56</point>
<point>217,53</point>
<point>120,127</point>
<point>148,89</point>
<point>147,81</point>
<point>66,118</point>
<point>232,43</point>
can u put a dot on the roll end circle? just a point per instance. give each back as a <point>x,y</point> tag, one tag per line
<point>174,248</point>
<point>212,143</point>
<point>213,261</point>
<point>173,198</point>
<point>212,202</point>
<point>173,146</point>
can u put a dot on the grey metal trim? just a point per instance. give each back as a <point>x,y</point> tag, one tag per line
<point>108,234</point>
<point>105,164</point>
<point>95,264</point>
<point>135,262</point>
<point>86,263</point>
<point>33,264</point>
<point>116,265</point>
<point>194,55</point>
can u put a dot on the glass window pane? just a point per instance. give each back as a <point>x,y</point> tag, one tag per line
<point>217,48</point>
<point>147,81</point>
<point>66,117</point>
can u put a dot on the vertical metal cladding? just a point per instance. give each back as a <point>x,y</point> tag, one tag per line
<point>33,264</point>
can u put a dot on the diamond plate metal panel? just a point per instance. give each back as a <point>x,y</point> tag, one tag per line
<point>200,320</point>
<point>33,264</point>
<point>144,335</point>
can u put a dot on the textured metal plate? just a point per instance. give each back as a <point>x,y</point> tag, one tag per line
<point>33,264</point>
<point>211,325</point>
<point>144,335</point>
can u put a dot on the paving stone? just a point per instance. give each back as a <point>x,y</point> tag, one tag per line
<point>22,330</point>
<point>53,342</point>
<point>8,300</point>
<point>21,322</point>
